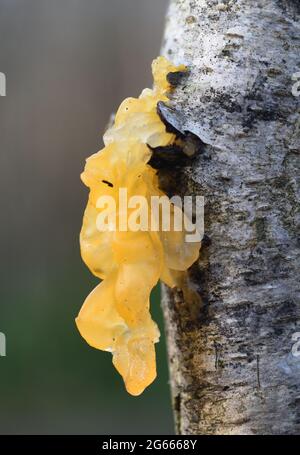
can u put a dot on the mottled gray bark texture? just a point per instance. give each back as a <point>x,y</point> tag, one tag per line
<point>231,362</point>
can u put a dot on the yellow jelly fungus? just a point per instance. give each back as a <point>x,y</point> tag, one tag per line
<point>115,316</point>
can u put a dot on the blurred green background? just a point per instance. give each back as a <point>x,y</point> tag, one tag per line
<point>68,63</point>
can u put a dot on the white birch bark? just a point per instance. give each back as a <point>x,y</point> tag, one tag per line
<point>231,362</point>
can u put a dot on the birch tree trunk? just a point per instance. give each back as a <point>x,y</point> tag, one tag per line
<point>233,366</point>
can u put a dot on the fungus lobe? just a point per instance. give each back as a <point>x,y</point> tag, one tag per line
<point>115,317</point>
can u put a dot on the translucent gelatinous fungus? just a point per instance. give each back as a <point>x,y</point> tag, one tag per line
<point>115,317</point>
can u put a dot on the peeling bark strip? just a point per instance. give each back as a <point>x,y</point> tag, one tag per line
<point>231,361</point>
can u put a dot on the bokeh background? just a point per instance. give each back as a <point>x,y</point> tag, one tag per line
<point>68,63</point>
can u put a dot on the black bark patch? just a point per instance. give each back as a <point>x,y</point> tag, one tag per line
<point>291,7</point>
<point>176,77</point>
<point>177,409</point>
<point>169,156</point>
<point>178,154</point>
<point>206,241</point>
<point>267,113</point>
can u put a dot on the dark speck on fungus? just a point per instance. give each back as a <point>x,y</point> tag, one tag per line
<point>108,183</point>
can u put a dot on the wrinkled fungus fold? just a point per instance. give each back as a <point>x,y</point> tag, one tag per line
<point>115,317</point>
